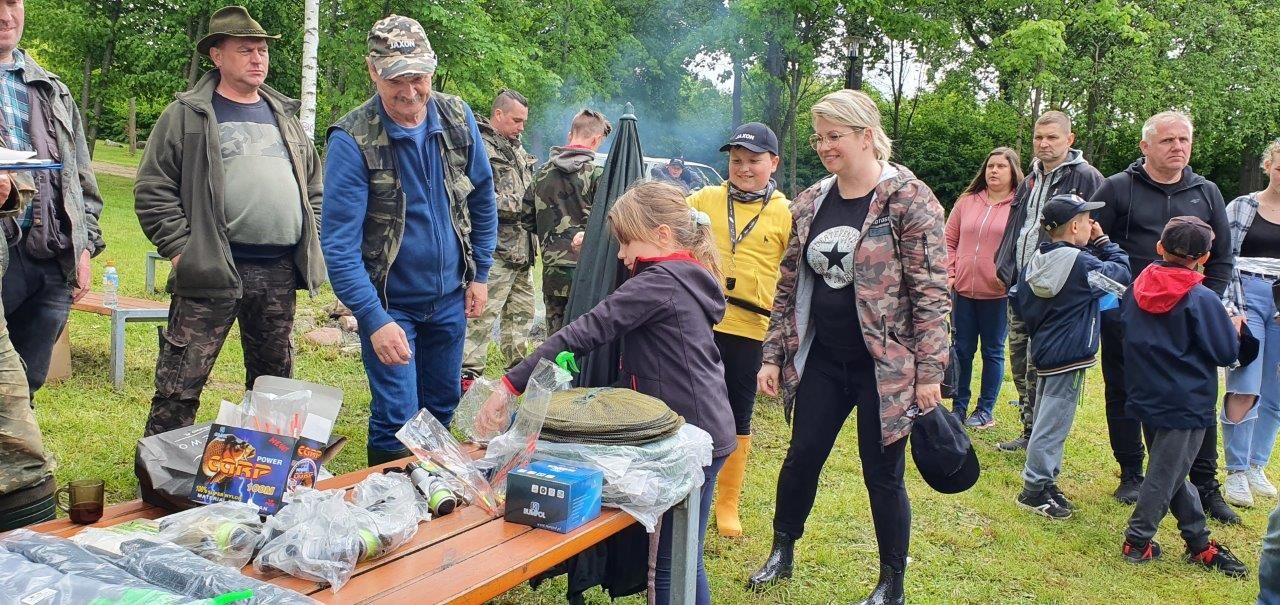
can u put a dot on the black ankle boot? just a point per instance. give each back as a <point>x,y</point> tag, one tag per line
<point>377,456</point>
<point>889,590</point>
<point>778,565</point>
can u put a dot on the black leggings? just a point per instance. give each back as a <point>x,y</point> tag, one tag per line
<point>741,357</point>
<point>830,390</point>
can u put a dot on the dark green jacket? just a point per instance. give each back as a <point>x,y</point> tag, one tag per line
<point>178,194</point>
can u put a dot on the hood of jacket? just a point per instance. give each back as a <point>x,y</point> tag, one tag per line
<point>694,277</point>
<point>1162,285</point>
<point>570,158</point>
<point>1050,267</point>
<point>1189,178</point>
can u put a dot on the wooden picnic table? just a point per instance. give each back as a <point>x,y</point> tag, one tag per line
<point>461,558</point>
<point>128,309</point>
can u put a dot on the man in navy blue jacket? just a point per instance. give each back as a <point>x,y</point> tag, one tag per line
<point>1177,335</point>
<point>408,232</point>
<point>1059,303</point>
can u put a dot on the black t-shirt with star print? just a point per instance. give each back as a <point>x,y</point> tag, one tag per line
<point>829,256</point>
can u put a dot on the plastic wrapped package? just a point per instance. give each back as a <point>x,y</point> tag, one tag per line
<point>468,410</point>
<point>107,541</point>
<point>177,569</point>
<point>25,581</point>
<point>324,537</point>
<point>70,558</point>
<point>226,533</point>
<point>514,448</point>
<point>642,480</point>
<point>431,442</point>
<point>391,494</point>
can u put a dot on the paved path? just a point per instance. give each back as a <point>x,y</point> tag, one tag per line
<point>114,169</point>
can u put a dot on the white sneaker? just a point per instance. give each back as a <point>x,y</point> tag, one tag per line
<point>1259,483</point>
<point>1237,489</point>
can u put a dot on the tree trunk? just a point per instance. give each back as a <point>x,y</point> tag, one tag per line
<point>108,55</point>
<point>310,48</point>
<point>87,86</point>
<point>775,68</point>
<point>737,91</point>
<point>193,67</point>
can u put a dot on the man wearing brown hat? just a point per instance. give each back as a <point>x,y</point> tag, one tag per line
<point>410,225</point>
<point>50,242</point>
<point>229,190</point>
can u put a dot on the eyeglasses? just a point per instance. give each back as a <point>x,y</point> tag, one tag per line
<point>817,140</point>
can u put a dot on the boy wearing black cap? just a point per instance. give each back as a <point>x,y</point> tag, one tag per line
<point>1177,335</point>
<point>1059,305</point>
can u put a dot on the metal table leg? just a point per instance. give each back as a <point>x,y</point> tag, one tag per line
<point>117,349</point>
<point>684,549</point>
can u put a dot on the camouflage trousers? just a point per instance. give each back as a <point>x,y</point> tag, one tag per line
<point>556,282</point>
<point>1024,372</point>
<point>190,343</point>
<point>511,307</point>
<point>23,460</point>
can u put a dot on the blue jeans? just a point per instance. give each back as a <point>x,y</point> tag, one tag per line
<point>429,381</point>
<point>662,576</point>
<point>1250,441</point>
<point>37,300</point>
<point>986,320</point>
<point>1269,562</point>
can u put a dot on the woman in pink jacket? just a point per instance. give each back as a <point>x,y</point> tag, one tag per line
<point>974,230</point>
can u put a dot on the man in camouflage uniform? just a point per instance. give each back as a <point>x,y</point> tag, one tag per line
<point>409,229</point>
<point>229,189</point>
<point>511,278</point>
<point>557,204</point>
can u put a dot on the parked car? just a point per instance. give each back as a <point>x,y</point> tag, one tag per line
<point>700,175</point>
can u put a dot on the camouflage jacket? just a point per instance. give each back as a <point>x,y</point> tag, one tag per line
<point>512,173</point>
<point>557,204</point>
<point>900,277</point>
<point>385,215</point>
<point>178,194</point>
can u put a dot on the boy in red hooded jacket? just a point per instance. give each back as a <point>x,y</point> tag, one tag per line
<point>1177,336</point>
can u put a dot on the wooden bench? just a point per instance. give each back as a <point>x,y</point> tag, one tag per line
<point>127,310</point>
<point>466,557</point>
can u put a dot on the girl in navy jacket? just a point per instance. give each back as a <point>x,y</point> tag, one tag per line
<point>663,314</point>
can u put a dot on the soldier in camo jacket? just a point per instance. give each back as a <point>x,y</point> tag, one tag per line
<point>557,205</point>
<point>511,278</point>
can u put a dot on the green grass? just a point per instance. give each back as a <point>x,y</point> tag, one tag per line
<point>975,547</point>
<point>102,152</point>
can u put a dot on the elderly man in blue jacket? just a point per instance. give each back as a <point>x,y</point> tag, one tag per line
<point>409,228</point>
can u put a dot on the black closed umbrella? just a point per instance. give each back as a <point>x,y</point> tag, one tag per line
<point>599,271</point>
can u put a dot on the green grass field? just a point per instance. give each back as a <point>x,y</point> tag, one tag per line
<point>975,547</point>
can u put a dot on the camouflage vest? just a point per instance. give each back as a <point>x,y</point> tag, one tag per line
<point>384,219</point>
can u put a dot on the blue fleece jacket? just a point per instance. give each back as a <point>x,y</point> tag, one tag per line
<point>429,263</point>
<point>1176,336</point>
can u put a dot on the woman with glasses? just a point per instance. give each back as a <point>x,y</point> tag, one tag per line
<point>858,323</point>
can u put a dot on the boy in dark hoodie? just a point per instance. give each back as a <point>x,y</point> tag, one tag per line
<point>1177,335</point>
<point>1058,302</point>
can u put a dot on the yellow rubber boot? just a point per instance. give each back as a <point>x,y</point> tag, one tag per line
<point>729,489</point>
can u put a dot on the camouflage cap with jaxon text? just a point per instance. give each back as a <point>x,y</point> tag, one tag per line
<point>398,46</point>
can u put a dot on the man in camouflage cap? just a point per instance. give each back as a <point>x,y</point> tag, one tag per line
<point>229,189</point>
<point>409,230</point>
<point>557,204</point>
<point>511,278</point>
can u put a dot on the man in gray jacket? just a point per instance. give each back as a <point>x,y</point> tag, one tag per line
<point>1057,169</point>
<point>239,218</point>
<point>52,240</point>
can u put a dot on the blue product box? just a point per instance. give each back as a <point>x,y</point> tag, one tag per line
<point>553,495</point>
<point>243,465</point>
